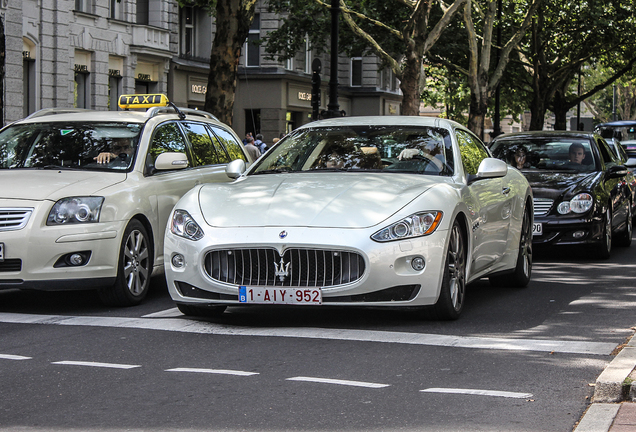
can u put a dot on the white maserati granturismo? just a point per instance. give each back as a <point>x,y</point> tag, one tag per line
<point>354,211</point>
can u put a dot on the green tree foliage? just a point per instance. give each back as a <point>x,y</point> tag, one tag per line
<point>399,32</point>
<point>601,104</point>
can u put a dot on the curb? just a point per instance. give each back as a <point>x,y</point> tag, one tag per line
<point>611,386</point>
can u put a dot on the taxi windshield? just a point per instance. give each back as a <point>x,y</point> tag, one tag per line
<point>386,149</point>
<point>69,146</point>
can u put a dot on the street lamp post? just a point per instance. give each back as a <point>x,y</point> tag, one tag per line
<point>333,109</point>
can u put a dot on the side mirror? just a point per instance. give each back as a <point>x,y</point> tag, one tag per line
<point>235,168</point>
<point>171,161</point>
<point>617,171</point>
<point>489,168</point>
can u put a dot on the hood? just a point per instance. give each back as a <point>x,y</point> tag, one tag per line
<point>38,185</point>
<point>343,200</point>
<point>558,184</point>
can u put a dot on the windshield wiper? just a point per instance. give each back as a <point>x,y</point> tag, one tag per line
<point>53,167</point>
<point>279,170</point>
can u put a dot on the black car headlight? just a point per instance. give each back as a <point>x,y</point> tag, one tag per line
<point>416,225</point>
<point>75,210</point>
<point>183,225</point>
<point>579,204</point>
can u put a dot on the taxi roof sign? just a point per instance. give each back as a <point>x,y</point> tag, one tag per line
<point>142,101</point>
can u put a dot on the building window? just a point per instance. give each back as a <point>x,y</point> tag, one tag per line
<point>143,15</point>
<point>289,64</point>
<point>187,30</point>
<point>114,91</point>
<point>82,80</point>
<point>252,49</point>
<point>83,6</point>
<point>356,72</point>
<point>253,121</point>
<point>28,90</point>
<point>117,9</point>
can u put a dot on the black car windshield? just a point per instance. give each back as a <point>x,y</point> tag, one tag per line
<point>69,146</point>
<point>546,153</point>
<point>387,149</point>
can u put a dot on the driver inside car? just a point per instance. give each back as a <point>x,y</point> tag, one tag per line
<point>121,148</point>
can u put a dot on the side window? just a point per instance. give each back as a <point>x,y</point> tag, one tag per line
<point>472,151</point>
<point>166,138</point>
<point>606,153</point>
<point>203,150</point>
<point>227,141</point>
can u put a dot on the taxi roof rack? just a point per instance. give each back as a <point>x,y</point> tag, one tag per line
<point>151,112</point>
<point>50,111</point>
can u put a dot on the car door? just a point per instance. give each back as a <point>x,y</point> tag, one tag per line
<point>618,188</point>
<point>164,188</point>
<point>490,203</point>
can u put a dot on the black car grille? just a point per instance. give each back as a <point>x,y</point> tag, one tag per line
<point>303,267</point>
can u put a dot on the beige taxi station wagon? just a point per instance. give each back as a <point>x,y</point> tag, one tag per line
<point>85,195</point>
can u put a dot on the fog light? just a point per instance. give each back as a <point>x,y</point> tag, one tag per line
<point>418,263</point>
<point>578,234</point>
<point>178,260</point>
<point>76,259</point>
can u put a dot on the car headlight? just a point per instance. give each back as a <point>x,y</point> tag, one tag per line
<point>75,210</point>
<point>579,204</point>
<point>416,225</point>
<point>183,225</point>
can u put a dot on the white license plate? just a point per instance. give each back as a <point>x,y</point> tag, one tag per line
<point>537,229</point>
<point>305,296</point>
<point>1,252</point>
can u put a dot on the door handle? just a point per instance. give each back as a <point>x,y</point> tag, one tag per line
<point>505,191</point>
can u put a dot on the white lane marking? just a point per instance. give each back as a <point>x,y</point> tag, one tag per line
<point>95,364</point>
<point>185,325</point>
<point>168,313</point>
<point>339,382</point>
<point>14,357</point>
<point>478,392</point>
<point>213,371</point>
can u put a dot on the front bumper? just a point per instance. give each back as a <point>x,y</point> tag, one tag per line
<point>568,231</point>
<point>34,255</point>
<point>388,279</point>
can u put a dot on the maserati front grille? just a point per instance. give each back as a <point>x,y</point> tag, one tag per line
<point>297,267</point>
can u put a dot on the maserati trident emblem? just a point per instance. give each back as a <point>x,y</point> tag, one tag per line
<point>282,234</point>
<point>282,271</point>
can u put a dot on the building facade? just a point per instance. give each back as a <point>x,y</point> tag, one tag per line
<point>85,53</point>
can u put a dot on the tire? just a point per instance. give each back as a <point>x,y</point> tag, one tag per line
<point>134,268</point>
<point>453,291</point>
<point>523,271</point>
<point>624,239</point>
<point>201,311</point>
<point>604,249</point>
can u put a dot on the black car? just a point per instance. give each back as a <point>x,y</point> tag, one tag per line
<point>583,192</point>
<point>622,130</point>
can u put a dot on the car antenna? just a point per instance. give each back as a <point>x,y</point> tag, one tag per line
<point>179,112</point>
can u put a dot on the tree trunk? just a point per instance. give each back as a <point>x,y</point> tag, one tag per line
<point>233,20</point>
<point>410,85</point>
<point>560,108</point>
<point>477,115</point>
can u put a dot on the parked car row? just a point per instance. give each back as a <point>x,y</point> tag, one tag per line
<point>368,211</point>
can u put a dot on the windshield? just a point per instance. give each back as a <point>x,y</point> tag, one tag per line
<point>102,146</point>
<point>550,154</point>
<point>391,149</point>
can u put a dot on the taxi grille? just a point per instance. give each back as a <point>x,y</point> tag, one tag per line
<point>14,218</point>
<point>542,206</point>
<point>297,267</point>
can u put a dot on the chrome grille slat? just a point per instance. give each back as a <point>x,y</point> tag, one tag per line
<point>542,206</point>
<point>307,267</point>
<point>12,219</point>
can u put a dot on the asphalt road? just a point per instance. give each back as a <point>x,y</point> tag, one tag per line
<point>517,359</point>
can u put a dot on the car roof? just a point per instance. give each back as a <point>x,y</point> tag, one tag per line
<point>384,121</point>
<point>551,134</point>
<point>618,123</point>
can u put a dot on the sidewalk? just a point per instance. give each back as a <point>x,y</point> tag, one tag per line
<point>613,407</point>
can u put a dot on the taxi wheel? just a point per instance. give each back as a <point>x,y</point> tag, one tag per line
<point>451,297</point>
<point>625,237</point>
<point>133,270</point>
<point>605,246</point>
<point>201,311</point>
<point>523,271</point>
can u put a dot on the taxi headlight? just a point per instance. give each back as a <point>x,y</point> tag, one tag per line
<point>75,210</point>
<point>416,225</point>
<point>183,225</point>
<point>579,204</point>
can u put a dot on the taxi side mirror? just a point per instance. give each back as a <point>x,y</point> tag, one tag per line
<point>171,161</point>
<point>235,168</point>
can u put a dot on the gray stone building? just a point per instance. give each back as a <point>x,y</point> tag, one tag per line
<point>85,53</point>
